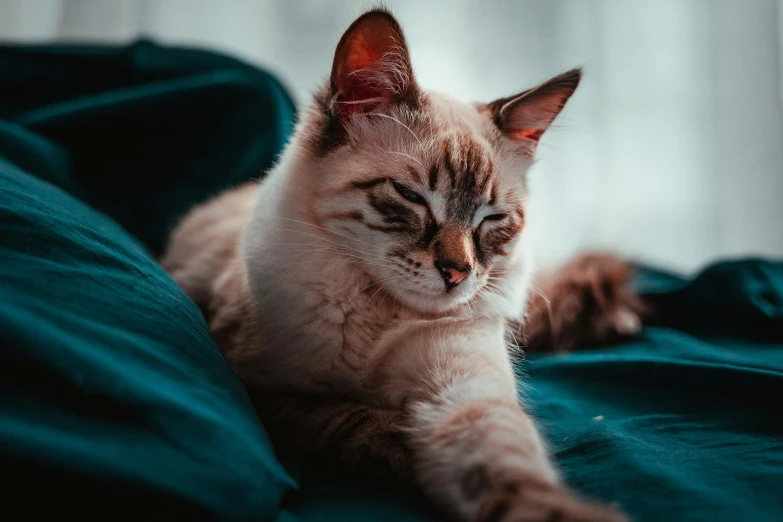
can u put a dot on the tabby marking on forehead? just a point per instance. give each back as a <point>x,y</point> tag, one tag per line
<point>468,165</point>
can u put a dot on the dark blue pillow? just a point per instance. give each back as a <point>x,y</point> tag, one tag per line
<point>111,389</point>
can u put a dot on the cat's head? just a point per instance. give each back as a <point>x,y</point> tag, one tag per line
<point>426,193</point>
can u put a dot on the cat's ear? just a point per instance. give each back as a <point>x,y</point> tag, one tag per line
<point>372,67</point>
<point>526,116</point>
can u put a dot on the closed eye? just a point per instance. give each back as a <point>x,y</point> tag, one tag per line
<point>496,217</point>
<point>408,194</point>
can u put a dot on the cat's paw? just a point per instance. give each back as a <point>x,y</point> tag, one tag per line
<point>587,302</point>
<point>624,321</point>
<point>543,503</point>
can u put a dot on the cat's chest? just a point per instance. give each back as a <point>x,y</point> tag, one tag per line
<point>364,327</point>
<point>322,336</point>
<point>357,324</point>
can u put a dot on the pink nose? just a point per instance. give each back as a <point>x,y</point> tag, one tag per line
<point>455,276</point>
<point>451,274</point>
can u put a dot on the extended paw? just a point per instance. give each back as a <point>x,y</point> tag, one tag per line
<point>587,302</point>
<point>534,502</point>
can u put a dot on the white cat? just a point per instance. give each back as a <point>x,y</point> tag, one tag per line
<point>369,284</point>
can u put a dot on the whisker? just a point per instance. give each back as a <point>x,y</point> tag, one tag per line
<point>345,253</point>
<point>516,342</point>
<point>371,285</point>
<point>326,229</point>
<point>381,288</point>
<point>325,248</point>
<point>333,260</point>
<point>470,308</point>
<point>398,121</point>
<point>552,325</point>
<point>322,239</point>
<point>407,156</point>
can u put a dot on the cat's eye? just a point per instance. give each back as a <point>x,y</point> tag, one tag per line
<point>496,217</point>
<point>408,193</point>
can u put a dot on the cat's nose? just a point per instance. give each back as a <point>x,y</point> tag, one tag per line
<point>452,274</point>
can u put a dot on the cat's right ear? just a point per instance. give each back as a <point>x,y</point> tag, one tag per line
<point>372,68</point>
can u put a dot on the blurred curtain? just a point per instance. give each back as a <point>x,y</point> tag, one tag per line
<point>672,152</point>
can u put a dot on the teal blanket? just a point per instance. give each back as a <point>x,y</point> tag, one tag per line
<point>112,391</point>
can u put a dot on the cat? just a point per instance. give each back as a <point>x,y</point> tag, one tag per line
<point>367,289</point>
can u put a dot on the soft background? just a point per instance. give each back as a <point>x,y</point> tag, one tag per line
<point>671,152</point>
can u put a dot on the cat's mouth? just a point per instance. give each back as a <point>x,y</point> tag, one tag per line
<point>438,299</point>
<point>428,286</point>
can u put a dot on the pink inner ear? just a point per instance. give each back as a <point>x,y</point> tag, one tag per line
<point>526,117</point>
<point>361,54</point>
<point>367,66</point>
<point>532,115</point>
<point>528,134</point>
<point>360,60</point>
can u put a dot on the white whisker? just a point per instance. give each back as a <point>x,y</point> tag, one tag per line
<point>371,285</point>
<point>552,325</point>
<point>326,229</point>
<point>322,239</point>
<point>398,121</point>
<point>382,287</point>
<point>407,156</point>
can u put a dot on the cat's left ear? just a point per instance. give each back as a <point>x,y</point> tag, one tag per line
<point>526,116</point>
<point>372,67</point>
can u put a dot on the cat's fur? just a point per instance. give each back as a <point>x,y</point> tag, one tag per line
<point>366,290</point>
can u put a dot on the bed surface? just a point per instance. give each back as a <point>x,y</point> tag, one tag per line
<point>111,383</point>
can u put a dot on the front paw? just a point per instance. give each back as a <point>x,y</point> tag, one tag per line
<point>541,502</point>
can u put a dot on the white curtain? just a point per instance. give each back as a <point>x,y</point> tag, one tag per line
<point>671,152</point>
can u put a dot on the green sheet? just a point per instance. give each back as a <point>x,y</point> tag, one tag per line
<point>112,390</point>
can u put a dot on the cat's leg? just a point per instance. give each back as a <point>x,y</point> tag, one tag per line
<point>363,440</point>
<point>477,452</point>
<point>586,302</point>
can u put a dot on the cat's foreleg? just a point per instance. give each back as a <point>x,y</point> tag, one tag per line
<point>477,453</point>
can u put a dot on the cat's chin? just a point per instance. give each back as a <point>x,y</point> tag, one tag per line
<point>435,303</point>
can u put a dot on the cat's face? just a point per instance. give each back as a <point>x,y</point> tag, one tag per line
<point>425,193</point>
<point>429,201</point>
